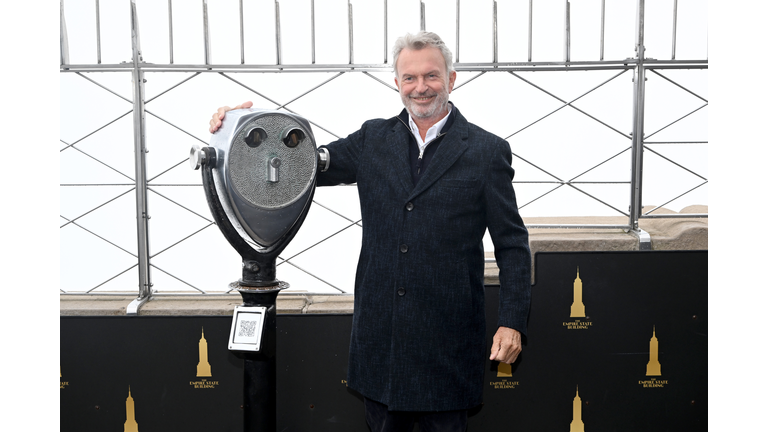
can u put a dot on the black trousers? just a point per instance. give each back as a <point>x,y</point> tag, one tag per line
<point>380,419</point>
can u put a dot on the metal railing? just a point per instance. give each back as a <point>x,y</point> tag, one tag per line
<point>638,140</point>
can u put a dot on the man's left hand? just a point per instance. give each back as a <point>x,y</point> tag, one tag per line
<point>506,345</point>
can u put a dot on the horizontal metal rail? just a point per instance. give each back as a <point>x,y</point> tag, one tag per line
<point>460,67</point>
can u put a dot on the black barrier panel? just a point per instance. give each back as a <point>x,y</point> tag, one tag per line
<point>312,392</point>
<point>638,358</point>
<point>607,353</point>
<point>158,358</point>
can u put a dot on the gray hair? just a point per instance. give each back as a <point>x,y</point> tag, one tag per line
<point>421,40</point>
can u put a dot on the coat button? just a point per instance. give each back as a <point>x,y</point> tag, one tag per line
<point>409,206</point>
<point>401,291</point>
<point>403,248</point>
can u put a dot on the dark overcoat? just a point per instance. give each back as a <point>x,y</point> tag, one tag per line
<point>418,333</point>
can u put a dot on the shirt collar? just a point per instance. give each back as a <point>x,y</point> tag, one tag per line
<point>432,132</point>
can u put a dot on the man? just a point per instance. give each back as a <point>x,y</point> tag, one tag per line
<point>430,183</point>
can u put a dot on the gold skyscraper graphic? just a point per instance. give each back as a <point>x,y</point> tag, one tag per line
<point>130,417</point>
<point>577,425</point>
<point>203,367</point>
<point>504,370</point>
<point>654,367</point>
<point>577,308</point>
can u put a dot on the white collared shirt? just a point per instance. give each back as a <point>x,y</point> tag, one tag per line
<point>431,133</point>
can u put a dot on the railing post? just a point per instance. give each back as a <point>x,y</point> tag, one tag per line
<point>206,35</point>
<point>139,142</point>
<point>638,118</point>
<point>63,42</point>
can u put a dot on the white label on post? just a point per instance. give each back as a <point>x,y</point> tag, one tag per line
<point>247,328</point>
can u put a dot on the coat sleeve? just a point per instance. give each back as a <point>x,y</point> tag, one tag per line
<point>344,155</point>
<point>510,240</point>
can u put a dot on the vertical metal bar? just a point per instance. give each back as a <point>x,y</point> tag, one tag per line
<point>139,141</point>
<point>242,35</point>
<point>63,40</point>
<point>495,33</point>
<point>277,32</point>
<point>313,31</point>
<point>170,30</point>
<point>567,41</point>
<point>458,16</point>
<point>423,20</point>
<point>98,34</point>
<point>351,33</point>
<point>386,48</point>
<point>674,29</point>
<point>530,29</point>
<point>206,35</point>
<point>636,183</point>
<point>602,30</point>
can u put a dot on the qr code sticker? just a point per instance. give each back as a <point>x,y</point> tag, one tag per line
<point>247,329</point>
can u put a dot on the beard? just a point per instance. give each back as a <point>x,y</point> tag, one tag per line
<point>439,103</point>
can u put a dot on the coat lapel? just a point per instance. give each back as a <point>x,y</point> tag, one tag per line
<point>451,148</point>
<point>398,140</point>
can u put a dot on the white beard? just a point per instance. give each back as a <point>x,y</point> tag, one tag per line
<point>439,104</point>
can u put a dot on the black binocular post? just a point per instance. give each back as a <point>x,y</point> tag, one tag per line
<point>258,287</point>
<point>260,368</point>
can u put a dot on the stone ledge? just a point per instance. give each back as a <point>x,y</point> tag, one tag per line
<point>188,305</point>
<point>666,234</point>
<point>90,305</point>
<point>331,304</point>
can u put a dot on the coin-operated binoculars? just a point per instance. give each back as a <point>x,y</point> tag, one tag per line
<point>259,174</point>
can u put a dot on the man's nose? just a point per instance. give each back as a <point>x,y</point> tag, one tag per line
<point>421,85</point>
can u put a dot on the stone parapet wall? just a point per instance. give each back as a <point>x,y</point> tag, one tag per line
<point>666,234</point>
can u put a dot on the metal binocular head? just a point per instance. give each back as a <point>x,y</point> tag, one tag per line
<point>259,175</point>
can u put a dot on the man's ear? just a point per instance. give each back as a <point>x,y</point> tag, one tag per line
<point>451,80</point>
<point>397,84</point>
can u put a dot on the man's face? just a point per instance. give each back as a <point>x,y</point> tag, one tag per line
<point>424,82</point>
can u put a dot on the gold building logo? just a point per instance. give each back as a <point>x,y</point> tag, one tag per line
<point>62,383</point>
<point>203,367</point>
<point>577,308</point>
<point>504,371</point>
<point>576,424</point>
<point>130,414</point>
<point>654,367</point>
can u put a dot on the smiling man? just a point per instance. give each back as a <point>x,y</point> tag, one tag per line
<point>430,184</point>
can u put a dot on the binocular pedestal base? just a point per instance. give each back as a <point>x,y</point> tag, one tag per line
<point>259,368</point>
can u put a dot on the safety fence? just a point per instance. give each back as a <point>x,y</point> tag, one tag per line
<point>597,128</point>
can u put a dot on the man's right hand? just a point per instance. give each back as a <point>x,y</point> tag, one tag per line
<point>218,116</point>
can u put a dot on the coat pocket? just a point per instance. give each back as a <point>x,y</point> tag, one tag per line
<point>458,183</point>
